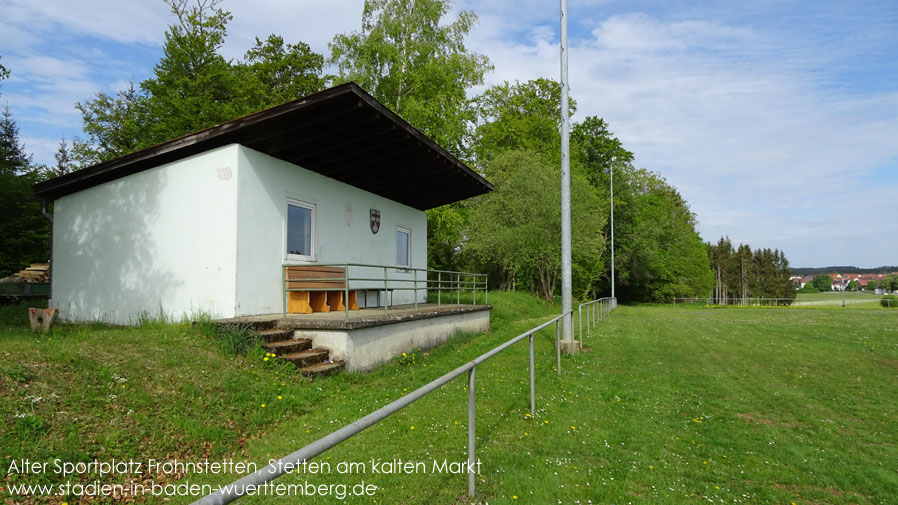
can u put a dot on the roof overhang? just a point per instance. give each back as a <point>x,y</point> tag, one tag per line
<point>341,132</point>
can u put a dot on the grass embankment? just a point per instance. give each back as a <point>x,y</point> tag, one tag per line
<point>666,406</point>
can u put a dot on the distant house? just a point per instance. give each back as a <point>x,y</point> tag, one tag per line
<point>204,223</point>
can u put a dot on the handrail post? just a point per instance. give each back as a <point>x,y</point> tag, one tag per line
<point>415,290</point>
<point>532,390</point>
<point>439,288</point>
<point>346,291</point>
<point>486,291</point>
<point>558,348</point>
<point>471,438</point>
<point>385,290</point>
<point>458,287</point>
<point>284,285</point>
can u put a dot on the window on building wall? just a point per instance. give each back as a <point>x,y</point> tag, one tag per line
<point>300,230</point>
<point>403,256</point>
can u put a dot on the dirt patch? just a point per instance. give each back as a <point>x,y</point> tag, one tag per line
<point>890,362</point>
<point>756,418</point>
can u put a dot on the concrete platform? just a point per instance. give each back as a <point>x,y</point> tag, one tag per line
<point>369,337</point>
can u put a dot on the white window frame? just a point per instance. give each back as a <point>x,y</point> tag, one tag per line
<point>306,205</point>
<point>408,246</point>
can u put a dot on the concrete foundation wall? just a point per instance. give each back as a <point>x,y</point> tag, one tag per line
<point>366,348</point>
<point>342,231</point>
<point>158,242</point>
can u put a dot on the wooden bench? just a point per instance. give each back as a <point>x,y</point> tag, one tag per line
<point>328,294</point>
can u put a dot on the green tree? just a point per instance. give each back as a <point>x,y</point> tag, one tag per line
<point>853,286</point>
<point>823,282</point>
<point>114,126</point>
<point>809,288</point>
<point>285,71</point>
<point>516,230</point>
<point>194,86</point>
<point>519,116</point>
<point>416,64</point>
<point>594,149</point>
<point>889,283</point>
<point>24,232</point>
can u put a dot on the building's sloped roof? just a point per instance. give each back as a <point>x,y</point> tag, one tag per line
<point>341,132</point>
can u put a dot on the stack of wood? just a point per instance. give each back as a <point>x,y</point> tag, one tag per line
<point>37,272</point>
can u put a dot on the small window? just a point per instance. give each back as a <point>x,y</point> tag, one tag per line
<point>300,219</point>
<point>402,247</point>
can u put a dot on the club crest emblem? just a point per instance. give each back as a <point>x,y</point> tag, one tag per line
<point>375,221</point>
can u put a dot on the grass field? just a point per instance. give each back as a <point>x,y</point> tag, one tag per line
<point>665,406</point>
<point>853,300</point>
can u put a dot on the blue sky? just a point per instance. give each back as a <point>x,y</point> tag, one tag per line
<point>777,121</point>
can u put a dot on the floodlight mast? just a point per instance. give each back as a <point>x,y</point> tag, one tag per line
<point>567,326</point>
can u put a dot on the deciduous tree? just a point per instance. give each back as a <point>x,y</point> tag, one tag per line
<point>415,63</point>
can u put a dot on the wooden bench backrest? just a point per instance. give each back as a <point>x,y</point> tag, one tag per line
<point>315,272</point>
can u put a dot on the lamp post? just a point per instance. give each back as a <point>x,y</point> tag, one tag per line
<point>613,298</point>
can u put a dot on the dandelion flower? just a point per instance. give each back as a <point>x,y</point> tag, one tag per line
<point>263,405</point>
<point>412,427</point>
<point>573,427</point>
<point>547,422</point>
<point>265,359</point>
<point>279,397</point>
<point>514,497</point>
<point>651,467</point>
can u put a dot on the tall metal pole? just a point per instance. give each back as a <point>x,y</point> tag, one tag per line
<point>567,326</point>
<point>613,298</point>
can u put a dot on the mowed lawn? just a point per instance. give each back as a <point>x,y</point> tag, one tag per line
<point>665,405</point>
<point>852,300</point>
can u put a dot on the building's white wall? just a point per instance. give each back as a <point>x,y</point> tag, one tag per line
<point>342,228</point>
<point>158,240</point>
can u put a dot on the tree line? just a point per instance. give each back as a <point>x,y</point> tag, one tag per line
<point>740,272</point>
<point>414,61</point>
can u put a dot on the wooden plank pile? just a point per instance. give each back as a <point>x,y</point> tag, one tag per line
<point>37,272</point>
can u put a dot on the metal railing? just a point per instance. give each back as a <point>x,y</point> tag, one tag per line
<point>441,281</point>
<point>738,302</point>
<point>832,301</point>
<point>597,311</point>
<point>255,480</point>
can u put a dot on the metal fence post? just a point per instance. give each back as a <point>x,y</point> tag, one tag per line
<point>471,437</point>
<point>474,289</point>
<point>458,287</point>
<point>532,390</point>
<point>286,292</point>
<point>385,290</point>
<point>346,291</point>
<point>580,320</point>
<point>439,288</point>
<point>415,289</point>
<point>558,348</point>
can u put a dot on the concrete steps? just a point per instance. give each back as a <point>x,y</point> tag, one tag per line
<point>280,342</point>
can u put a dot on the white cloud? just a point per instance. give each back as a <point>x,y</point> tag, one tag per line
<point>751,120</point>
<point>762,144</point>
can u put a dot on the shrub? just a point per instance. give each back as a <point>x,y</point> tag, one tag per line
<point>889,301</point>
